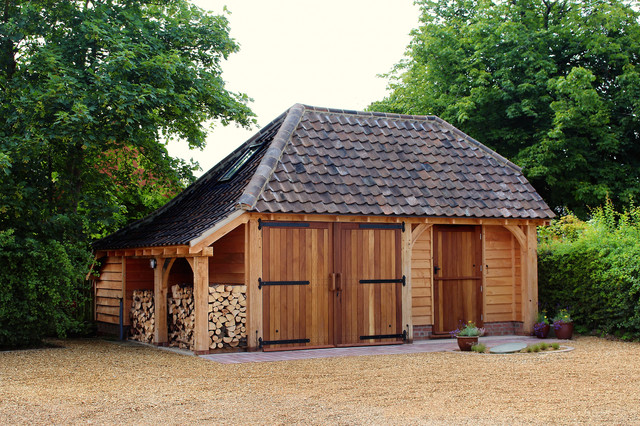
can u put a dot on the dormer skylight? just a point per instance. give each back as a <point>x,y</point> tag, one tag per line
<point>241,161</point>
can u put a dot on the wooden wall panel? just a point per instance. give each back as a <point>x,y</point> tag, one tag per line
<point>109,290</point>
<point>421,292</point>
<point>502,276</point>
<point>227,264</point>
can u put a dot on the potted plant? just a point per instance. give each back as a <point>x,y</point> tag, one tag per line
<point>563,324</point>
<point>467,335</point>
<point>541,327</point>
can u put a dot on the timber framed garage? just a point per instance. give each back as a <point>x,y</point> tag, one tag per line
<point>330,228</point>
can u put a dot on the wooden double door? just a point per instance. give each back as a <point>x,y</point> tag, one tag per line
<point>457,276</point>
<point>327,285</point>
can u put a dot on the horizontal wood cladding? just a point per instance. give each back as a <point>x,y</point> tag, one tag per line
<point>503,278</point>
<point>421,268</point>
<point>227,264</point>
<point>109,290</point>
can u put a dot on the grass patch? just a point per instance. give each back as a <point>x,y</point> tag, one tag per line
<point>479,348</point>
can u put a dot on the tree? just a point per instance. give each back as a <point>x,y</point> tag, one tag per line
<point>553,85</point>
<point>90,91</point>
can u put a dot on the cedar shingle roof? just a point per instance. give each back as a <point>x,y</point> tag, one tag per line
<point>318,160</point>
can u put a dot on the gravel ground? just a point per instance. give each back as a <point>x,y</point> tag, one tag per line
<point>95,381</point>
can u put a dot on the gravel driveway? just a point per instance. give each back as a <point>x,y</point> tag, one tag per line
<point>95,381</point>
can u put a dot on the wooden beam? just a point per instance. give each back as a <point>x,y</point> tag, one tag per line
<point>289,217</point>
<point>407,317</point>
<point>201,305</point>
<point>530,276</point>
<point>483,266</point>
<point>160,336</point>
<point>220,230</point>
<point>416,233</point>
<point>518,233</point>
<point>253,261</point>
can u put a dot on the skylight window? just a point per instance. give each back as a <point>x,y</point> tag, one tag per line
<point>241,161</point>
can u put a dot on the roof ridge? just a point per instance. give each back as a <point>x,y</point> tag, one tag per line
<point>371,113</point>
<point>271,158</point>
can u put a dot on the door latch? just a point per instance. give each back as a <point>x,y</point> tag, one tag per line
<point>435,270</point>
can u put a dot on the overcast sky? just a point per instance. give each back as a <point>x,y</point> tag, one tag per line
<point>323,53</point>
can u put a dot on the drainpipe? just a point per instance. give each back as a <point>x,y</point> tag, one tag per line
<point>121,325</point>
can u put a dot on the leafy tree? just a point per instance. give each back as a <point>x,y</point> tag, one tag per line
<point>554,85</point>
<point>90,91</point>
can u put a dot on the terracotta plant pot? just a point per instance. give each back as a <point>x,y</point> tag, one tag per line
<point>541,331</point>
<point>564,330</point>
<point>465,342</point>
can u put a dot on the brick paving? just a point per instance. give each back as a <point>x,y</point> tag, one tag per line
<point>441,345</point>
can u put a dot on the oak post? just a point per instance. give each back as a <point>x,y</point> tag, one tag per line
<point>201,305</point>
<point>530,291</point>
<point>160,302</point>
<point>407,319</point>
<point>253,258</point>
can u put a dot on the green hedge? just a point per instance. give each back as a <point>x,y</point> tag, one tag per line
<point>593,268</point>
<point>43,292</point>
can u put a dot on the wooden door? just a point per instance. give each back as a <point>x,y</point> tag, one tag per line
<point>369,282</point>
<point>457,277</point>
<point>297,307</point>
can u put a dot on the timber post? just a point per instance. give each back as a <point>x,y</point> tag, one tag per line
<point>201,305</point>
<point>160,336</point>
<point>253,257</point>
<point>530,279</point>
<point>407,320</point>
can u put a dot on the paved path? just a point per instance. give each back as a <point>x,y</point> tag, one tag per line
<point>439,345</point>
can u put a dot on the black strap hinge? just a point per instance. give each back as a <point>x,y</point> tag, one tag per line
<point>281,342</point>
<point>402,336</point>
<point>402,281</point>
<point>266,283</point>
<point>382,226</point>
<point>262,224</point>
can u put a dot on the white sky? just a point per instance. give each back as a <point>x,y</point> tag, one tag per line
<point>323,53</point>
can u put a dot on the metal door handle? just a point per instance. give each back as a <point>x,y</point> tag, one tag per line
<point>435,270</point>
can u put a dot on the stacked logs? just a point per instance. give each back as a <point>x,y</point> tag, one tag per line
<point>142,316</point>
<point>227,316</point>
<point>181,316</point>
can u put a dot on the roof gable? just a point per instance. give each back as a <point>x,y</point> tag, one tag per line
<point>327,161</point>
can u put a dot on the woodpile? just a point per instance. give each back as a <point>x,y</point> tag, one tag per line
<point>227,316</point>
<point>181,316</point>
<point>142,316</point>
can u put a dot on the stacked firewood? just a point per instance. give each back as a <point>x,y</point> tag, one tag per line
<point>227,316</point>
<point>142,316</point>
<point>181,316</point>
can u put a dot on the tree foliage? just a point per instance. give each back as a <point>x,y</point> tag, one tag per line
<point>594,269</point>
<point>553,85</point>
<point>90,92</point>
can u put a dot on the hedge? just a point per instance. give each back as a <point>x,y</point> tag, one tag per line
<point>593,268</point>
<point>43,292</point>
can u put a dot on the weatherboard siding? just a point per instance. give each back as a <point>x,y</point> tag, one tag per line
<point>503,279</point>
<point>109,290</point>
<point>421,289</point>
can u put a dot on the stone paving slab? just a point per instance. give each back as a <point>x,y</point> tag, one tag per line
<point>420,346</point>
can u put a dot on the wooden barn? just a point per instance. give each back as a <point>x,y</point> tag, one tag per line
<point>331,228</point>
